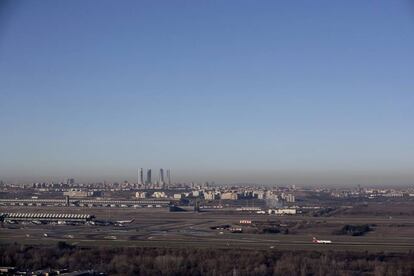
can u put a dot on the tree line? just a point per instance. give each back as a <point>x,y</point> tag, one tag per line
<point>205,261</point>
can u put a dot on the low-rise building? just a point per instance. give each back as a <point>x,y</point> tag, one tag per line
<point>290,198</point>
<point>209,195</point>
<point>283,211</point>
<point>159,195</point>
<point>229,195</point>
<point>141,194</point>
<point>177,196</point>
<point>259,194</point>
<point>77,193</point>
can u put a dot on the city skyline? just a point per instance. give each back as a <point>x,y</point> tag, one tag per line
<point>279,178</point>
<point>234,92</point>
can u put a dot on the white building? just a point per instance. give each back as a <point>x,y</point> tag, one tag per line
<point>177,196</point>
<point>209,195</point>
<point>290,198</point>
<point>259,194</point>
<point>141,194</point>
<point>159,195</point>
<point>283,211</point>
<point>229,195</point>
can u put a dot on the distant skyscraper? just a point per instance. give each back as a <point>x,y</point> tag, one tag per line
<point>141,177</point>
<point>169,176</point>
<point>162,176</point>
<point>149,181</point>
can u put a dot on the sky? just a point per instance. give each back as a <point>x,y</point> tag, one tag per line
<point>266,92</point>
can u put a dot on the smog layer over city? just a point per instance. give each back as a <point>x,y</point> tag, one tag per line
<point>206,137</point>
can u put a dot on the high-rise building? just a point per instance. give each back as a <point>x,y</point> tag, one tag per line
<point>141,177</point>
<point>161,179</point>
<point>149,181</point>
<point>169,176</point>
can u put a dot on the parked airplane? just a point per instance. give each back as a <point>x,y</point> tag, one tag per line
<point>314,240</point>
<point>124,221</point>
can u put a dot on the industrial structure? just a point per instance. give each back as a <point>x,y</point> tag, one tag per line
<point>45,217</point>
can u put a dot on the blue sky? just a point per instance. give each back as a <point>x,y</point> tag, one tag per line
<point>271,92</point>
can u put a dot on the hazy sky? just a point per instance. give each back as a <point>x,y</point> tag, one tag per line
<point>272,92</point>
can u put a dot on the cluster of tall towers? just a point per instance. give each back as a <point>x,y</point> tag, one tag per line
<point>162,179</point>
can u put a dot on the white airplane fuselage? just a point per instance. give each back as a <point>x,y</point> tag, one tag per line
<point>321,241</point>
<point>124,221</point>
